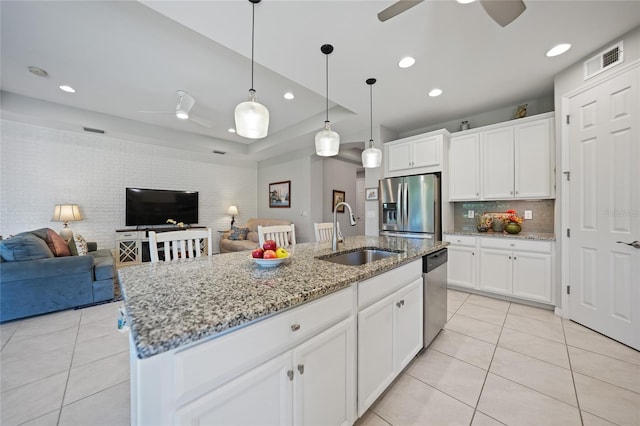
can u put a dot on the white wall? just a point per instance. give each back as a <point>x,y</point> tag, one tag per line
<point>41,167</point>
<point>297,168</point>
<point>341,176</point>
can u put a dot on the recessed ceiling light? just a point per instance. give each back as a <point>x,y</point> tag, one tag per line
<point>288,96</point>
<point>435,92</point>
<point>182,115</point>
<point>558,49</point>
<point>231,130</point>
<point>465,1</point>
<point>67,89</point>
<point>406,62</point>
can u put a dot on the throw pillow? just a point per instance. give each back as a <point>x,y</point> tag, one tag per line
<point>243,233</point>
<point>78,246</point>
<point>24,246</point>
<point>235,233</point>
<point>58,246</point>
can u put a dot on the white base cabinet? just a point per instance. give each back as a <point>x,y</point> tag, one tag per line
<point>462,261</point>
<point>390,330</point>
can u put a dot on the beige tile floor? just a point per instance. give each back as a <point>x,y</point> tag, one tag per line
<point>495,363</point>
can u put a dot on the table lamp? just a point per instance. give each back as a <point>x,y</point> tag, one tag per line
<point>66,213</point>
<point>233,211</point>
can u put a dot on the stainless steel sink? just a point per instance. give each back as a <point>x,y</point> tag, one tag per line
<point>360,257</point>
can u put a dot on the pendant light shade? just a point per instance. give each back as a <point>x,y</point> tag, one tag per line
<point>252,118</point>
<point>327,141</point>
<point>371,156</point>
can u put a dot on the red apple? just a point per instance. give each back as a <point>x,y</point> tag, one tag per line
<point>269,254</point>
<point>269,245</point>
<point>257,253</point>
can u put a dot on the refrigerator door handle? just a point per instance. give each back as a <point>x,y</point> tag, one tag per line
<point>405,220</point>
<point>399,210</point>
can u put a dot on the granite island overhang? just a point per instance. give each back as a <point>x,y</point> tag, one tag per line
<point>173,304</point>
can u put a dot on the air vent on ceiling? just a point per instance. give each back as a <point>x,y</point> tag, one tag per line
<point>215,151</point>
<point>89,129</point>
<point>604,60</point>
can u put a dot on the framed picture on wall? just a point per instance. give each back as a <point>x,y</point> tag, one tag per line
<point>371,194</point>
<point>280,194</point>
<point>338,197</point>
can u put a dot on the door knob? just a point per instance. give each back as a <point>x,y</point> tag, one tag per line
<point>634,244</point>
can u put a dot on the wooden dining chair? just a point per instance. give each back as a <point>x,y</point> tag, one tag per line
<point>283,235</point>
<point>180,244</point>
<point>324,231</point>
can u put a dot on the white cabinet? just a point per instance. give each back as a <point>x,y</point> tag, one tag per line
<point>517,161</point>
<point>414,155</point>
<point>516,268</point>
<point>464,167</point>
<point>462,261</point>
<point>390,330</point>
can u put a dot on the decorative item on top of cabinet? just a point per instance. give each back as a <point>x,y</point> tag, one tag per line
<point>464,125</point>
<point>522,111</point>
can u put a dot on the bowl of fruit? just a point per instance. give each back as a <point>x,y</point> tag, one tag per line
<point>269,255</point>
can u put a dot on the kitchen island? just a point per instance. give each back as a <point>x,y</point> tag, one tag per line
<point>202,328</point>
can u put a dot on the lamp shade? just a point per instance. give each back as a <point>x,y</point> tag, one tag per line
<point>252,118</point>
<point>327,141</point>
<point>66,213</point>
<point>232,210</point>
<point>371,157</point>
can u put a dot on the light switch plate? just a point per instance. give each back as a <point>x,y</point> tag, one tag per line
<point>471,214</point>
<point>528,214</point>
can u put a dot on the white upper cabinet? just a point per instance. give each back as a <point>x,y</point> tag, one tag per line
<point>414,155</point>
<point>513,160</point>
<point>464,168</point>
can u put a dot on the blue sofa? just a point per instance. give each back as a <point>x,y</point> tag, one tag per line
<point>33,281</point>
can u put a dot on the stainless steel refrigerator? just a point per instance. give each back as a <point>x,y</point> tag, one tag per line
<point>410,206</point>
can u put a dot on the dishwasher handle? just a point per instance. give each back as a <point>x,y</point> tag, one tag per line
<point>434,260</point>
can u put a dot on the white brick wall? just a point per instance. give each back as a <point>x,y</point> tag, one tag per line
<point>41,167</point>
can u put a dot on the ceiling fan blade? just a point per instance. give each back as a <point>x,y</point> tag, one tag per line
<point>503,12</point>
<point>397,8</point>
<point>201,121</point>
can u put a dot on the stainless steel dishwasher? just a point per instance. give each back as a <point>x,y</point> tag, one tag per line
<point>434,268</point>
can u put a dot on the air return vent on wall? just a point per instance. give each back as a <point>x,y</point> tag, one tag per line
<point>604,60</point>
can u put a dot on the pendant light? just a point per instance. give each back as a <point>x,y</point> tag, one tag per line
<point>327,141</point>
<point>252,118</point>
<point>371,156</point>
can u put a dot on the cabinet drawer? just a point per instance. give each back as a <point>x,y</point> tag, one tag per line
<point>200,368</point>
<point>127,235</point>
<point>374,289</point>
<point>515,244</point>
<point>460,240</point>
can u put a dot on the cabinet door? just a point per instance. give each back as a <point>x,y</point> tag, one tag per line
<point>399,156</point>
<point>464,168</point>
<point>534,160</point>
<point>497,157</point>
<point>375,351</point>
<point>409,323</point>
<point>426,152</point>
<point>262,396</point>
<point>532,276</point>
<point>324,385</point>
<point>461,270</point>
<point>495,270</point>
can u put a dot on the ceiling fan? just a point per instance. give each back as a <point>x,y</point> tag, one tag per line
<point>183,109</point>
<point>502,11</point>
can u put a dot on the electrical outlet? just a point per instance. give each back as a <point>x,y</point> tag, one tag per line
<point>528,214</point>
<point>471,214</point>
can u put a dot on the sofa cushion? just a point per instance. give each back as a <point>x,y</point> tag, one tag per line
<point>103,267</point>
<point>24,246</point>
<point>57,244</point>
<point>227,245</point>
<point>78,245</point>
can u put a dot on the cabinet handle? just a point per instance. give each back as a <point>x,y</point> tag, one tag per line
<point>477,193</point>
<point>290,374</point>
<point>514,258</point>
<point>400,303</point>
<point>509,257</point>
<point>295,327</point>
<point>473,253</point>
<point>301,368</point>
<point>511,192</point>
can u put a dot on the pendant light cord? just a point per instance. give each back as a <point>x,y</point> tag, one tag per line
<point>371,112</point>
<point>327,74</point>
<point>253,24</point>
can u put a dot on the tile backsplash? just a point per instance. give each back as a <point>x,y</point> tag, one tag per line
<point>542,211</point>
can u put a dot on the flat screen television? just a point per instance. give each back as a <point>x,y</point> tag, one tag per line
<point>146,207</point>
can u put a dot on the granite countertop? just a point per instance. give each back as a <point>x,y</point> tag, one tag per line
<point>542,236</point>
<point>176,303</point>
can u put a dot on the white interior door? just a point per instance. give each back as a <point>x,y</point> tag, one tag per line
<point>604,144</point>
